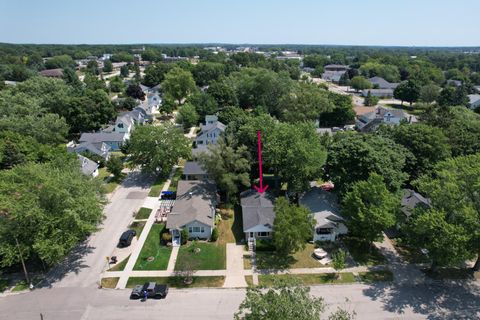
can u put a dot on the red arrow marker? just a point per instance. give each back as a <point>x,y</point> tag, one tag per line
<point>262,188</point>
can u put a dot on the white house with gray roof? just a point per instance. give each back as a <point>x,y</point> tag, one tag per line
<point>370,121</point>
<point>112,139</point>
<point>380,83</point>
<point>100,148</point>
<point>257,214</point>
<point>329,224</point>
<point>194,209</point>
<point>87,166</point>
<point>210,132</point>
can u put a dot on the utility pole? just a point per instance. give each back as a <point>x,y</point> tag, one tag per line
<point>23,262</point>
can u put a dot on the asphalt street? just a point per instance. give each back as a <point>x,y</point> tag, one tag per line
<point>71,290</point>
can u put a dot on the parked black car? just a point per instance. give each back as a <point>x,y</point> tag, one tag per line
<point>152,290</point>
<point>168,195</point>
<point>126,238</point>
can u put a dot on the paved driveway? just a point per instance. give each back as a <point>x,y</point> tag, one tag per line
<point>235,277</point>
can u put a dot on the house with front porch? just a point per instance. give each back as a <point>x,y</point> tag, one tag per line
<point>194,210</point>
<point>257,214</point>
<point>329,224</point>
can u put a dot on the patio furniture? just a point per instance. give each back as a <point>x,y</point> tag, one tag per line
<point>319,253</point>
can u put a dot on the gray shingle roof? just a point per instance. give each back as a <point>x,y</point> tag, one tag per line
<point>324,207</point>
<point>102,137</point>
<point>210,127</point>
<point>257,209</point>
<point>193,167</point>
<point>196,201</point>
<point>382,83</point>
<point>411,200</point>
<point>87,166</point>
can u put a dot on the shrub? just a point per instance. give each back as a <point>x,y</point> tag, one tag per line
<point>166,237</point>
<point>184,235</point>
<point>264,245</point>
<point>214,236</point>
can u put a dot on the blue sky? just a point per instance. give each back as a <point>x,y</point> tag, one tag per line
<point>348,22</point>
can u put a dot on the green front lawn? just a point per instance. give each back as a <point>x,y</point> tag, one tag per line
<point>143,213</point>
<point>309,279</point>
<point>364,254</point>
<point>153,248</point>
<point>138,227</point>
<point>212,256</point>
<point>249,280</point>
<point>177,282</point>
<point>157,186</point>
<point>176,177</point>
<point>374,276</point>
<point>120,266</point>
<point>230,229</point>
<point>300,259</point>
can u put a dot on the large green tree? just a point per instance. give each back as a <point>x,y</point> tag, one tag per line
<point>293,224</point>
<point>228,164</point>
<point>407,91</point>
<point>178,84</point>
<point>304,103</point>
<point>294,153</point>
<point>454,190</point>
<point>360,83</point>
<point>48,208</point>
<point>282,301</point>
<point>428,145</point>
<point>352,157</point>
<point>205,72</point>
<point>187,116</point>
<point>157,148</point>
<point>369,208</point>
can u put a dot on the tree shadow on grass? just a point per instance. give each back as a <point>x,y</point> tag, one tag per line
<point>271,260</point>
<point>435,300</point>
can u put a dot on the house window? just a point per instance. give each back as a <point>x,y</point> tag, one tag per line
<point>324,230</point>
<point>196,229</point>
<point>263,234</point>
<point>202,229</point>
<point>120,125</point>
<point>190,229</point>
<point>199,142</point>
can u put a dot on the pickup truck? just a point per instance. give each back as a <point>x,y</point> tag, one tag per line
<point>154,290</point>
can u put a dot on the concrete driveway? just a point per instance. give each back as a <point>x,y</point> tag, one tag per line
<point>235,276</point>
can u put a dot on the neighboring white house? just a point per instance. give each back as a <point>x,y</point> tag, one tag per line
<point>210,132</point>
<point>326,212</point>
<point>257,214</point>
<point>380,93</point>
<point>101,149</point>
<point>474,101</point>
<point>87,166</point>
<point>112,139</point>
<point>370,121</point>
<point>194,209</point>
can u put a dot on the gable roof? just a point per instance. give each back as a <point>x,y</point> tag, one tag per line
<point>382,83</point>
<point>324,207</point>
<point>196,201</point>
<point>96,137</point>
<point>211,127</point>
<point>193,167</point>
<point>95,148</point>
<point>54,73</point>
<point>257,209</point>
<point>411,199</point>
<point>87,166</point>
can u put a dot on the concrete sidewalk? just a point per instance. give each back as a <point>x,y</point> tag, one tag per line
<point>173,258</point>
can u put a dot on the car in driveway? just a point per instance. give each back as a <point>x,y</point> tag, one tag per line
<point>151,289</point>
<point>126,238</point>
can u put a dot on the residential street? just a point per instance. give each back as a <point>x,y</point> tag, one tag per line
<point>455,301</point>
<point>83,268</point>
